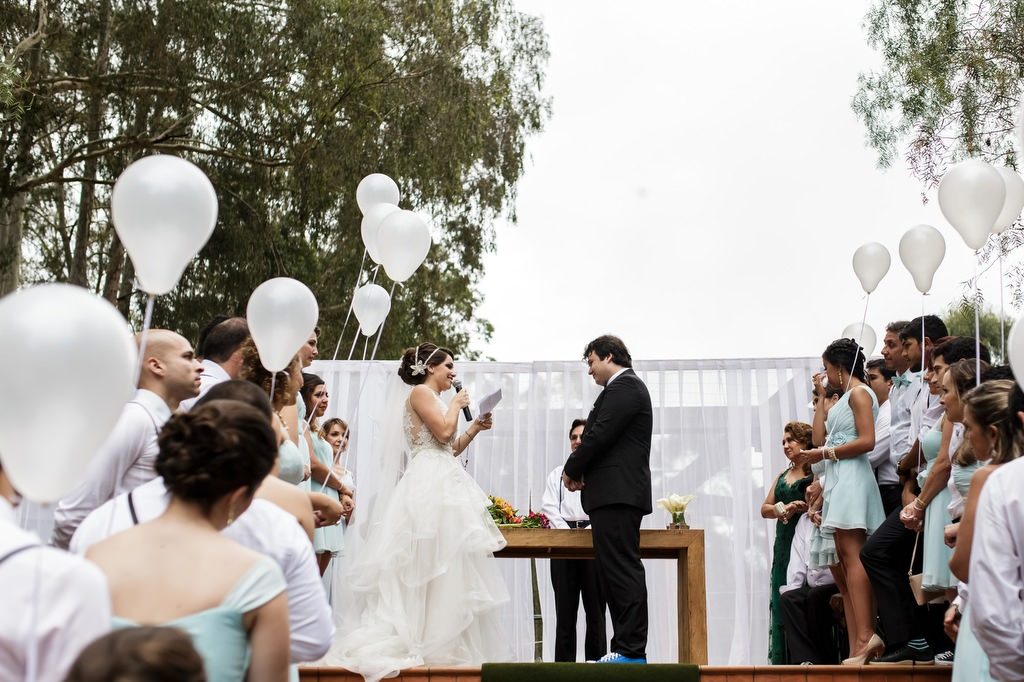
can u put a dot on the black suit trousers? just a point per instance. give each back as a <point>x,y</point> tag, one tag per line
<point>808,622</point>
<point>572,579</point>
<point>886,559</point>
<point>616,529</point>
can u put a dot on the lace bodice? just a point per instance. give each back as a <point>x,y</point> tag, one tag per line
<point>419,437</point>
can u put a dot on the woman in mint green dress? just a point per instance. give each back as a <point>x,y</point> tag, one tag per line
<point>989,442</point>
<point>785,503</point>
<point>180,571</point>
<point>327,540</point>
<point>852,507</point>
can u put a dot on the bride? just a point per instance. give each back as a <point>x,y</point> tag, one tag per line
<point>422,587</point>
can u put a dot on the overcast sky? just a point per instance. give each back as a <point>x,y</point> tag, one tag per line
<point>701,187</point>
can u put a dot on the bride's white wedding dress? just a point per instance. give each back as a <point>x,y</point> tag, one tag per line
<point>424,588</point>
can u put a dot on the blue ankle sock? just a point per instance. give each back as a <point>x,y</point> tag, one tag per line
<point>919,644</point>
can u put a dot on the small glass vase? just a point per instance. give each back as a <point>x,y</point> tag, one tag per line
<point>678,521</point>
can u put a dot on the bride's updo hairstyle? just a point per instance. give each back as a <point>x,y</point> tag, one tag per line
<point>215,449</point>
<point>847,354</point>
<point>415,362</point>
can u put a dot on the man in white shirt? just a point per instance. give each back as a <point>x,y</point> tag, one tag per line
<point>263,527</point>
<point>805,604</point>
<point>997,564</point>
<point>880,381</point>
<point>54,618</point>
<point>169,374</point>
<point>221,350</point>
<point>572,579</point>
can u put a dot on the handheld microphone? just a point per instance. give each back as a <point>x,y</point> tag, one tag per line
<point>457,385</point>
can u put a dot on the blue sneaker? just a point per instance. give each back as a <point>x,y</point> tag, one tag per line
<point>619,658</point>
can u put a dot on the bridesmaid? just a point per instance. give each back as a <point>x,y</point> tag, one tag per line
<point>851,507</point>
<point>785,502</point>
<point>327,540</point>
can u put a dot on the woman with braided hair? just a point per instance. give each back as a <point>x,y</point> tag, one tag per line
<point>852,506</point>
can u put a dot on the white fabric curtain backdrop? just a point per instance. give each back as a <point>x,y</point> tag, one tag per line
<point>717,435</point>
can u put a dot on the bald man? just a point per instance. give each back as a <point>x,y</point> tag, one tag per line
<point>170,373</point>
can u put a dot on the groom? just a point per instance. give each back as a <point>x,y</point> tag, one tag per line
<point>612,468</point>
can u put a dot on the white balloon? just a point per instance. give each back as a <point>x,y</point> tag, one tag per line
<point>1014,202</point>
<point>164,210</point>
<point>282,313</point>
<point>922,249</point>
<point>376,188</point>
<point>371,304</point>
<point>971,196</point>
<point>870,263</point>
<point>370,227</point>
<point>403,242</point>
<point>70,370</point>
<point>866,337</point>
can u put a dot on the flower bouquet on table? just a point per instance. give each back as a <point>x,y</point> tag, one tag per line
<point>504,515</point>
<point>676,506</point>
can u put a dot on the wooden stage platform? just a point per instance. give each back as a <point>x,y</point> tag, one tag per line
<point>758,673</point>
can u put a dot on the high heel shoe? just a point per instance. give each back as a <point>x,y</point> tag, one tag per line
<point>874,649</point>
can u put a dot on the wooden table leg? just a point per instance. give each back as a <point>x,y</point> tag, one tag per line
<point>683,606</point>
<point>697,603</point>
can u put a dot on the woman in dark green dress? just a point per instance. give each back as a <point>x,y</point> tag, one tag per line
<point>785,502</point>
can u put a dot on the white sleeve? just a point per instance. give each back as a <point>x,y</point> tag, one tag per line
<point>75,610</point>
<point>97,526</point>
<point>124,445</point>
<point>796,571</point>
<point>309,614</point>
<point>550,506</point>
<point>880,453</point>
<point>997,612</point>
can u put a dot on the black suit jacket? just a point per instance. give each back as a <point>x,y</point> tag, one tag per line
<point>614,458</point>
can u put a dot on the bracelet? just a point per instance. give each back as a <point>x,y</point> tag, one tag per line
<point>780,509</point>
<point>919,505</point>
<point>832,454</point>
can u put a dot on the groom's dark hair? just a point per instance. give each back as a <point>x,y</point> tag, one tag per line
<point>606,345</point>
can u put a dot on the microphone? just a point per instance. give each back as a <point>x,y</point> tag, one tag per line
<point>457,385</point>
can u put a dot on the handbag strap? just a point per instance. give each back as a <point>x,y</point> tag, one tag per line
<point>913,555</point>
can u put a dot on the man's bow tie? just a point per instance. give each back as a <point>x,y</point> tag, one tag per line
<point>900,380</point>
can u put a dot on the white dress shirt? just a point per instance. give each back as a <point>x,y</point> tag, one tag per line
<point>125,461</point>
<point>901,399</point>
<point>264,528</point>
<point>926,412</point>
<point>997,572</point>
<point>880,458</point>
<point>798,571</point>
<point>72,609</point>
<point>212,375</point>
<point>615,376</point>
<point>561,505</point>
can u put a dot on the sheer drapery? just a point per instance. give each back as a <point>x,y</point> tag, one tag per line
<point>717,434</point>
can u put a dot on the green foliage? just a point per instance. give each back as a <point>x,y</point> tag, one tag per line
<point>959,319</point>
<point>949,84</point>
<point>286,105</point>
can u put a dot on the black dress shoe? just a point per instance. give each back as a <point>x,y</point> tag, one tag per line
<point>906,655</point>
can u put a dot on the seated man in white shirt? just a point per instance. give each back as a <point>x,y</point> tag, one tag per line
<point>264,527</point>
<point>72,603</point>
<point>573,578</point>
<point>169,374</point>
<point>807,616</point>
<point>220,347</point>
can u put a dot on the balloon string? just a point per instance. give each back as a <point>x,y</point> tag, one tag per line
<point>348,315</point>
<point>1002,314</point>
<point>977,323</point>
<point>922,335</point>
<point>273,385</point>
<point>860,340</point>
<point>32,655</point>
<point>147,319</point>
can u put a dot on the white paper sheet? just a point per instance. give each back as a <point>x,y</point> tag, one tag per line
<point>490,402</point>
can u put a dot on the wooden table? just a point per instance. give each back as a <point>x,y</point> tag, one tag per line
<point>685,546</point>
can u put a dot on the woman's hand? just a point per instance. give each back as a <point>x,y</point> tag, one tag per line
<point>809,456</point>
<point>485,422</point>
<point>818,384</point>
<point>797,507</point>
<point>348,505</point>
<point>461,399</point>
<point>951,622</point>
<point>815,517</point>
<point>949,534</point>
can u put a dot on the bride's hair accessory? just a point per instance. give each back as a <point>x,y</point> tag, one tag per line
<point>419,367</point>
